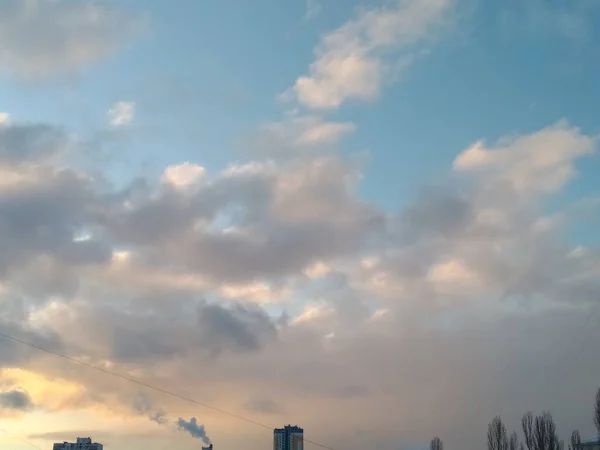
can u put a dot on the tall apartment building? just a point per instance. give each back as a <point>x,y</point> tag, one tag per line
<point>81,444</point>
<point>288,438</point>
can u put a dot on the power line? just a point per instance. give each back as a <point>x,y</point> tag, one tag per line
<point>20,439</point>
<point>149,386</point>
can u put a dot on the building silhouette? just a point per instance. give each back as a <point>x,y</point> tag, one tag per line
<point>592,444</point>
<point>84,443</point>
<point>288,438</point>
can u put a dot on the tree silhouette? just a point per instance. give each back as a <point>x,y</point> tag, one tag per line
<point>527,423</point>
<point>436,444</point>
<point>545,433</point>
<point>497,439</point>
<point>513,442</point>
<point>540,433</point>
<point>575,440</point>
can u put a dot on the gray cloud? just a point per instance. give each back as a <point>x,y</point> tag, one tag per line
<point>159,417</point>
<point>40,38</point>
<point>239,328</point>
<point>202,332</point>
<point>44,218</point>
<point>438,211</point>
<point>44,209</point>
<point>282,220</point>
<point>15,400</point>
<point>27,142</point>
<point>13,354</point>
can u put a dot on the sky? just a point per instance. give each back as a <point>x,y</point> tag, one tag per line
<point>374,219</point>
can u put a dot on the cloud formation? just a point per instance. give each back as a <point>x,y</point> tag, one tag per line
<point>167,279</point>
<point>40,38</point>
<point>350,63</point>
<point>273,276</point>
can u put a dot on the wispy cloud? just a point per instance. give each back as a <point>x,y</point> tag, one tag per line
<point>352,62</point>
<point>540,163</point>
<point>313,8</point>
<point>121,113</point>
<point>297,134</point>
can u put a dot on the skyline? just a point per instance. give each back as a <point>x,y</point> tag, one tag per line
<point>377,219</point>
<point>87,443</point>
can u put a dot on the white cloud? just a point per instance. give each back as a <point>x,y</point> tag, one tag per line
<point>183,175</point>
<point>39,38</point>
<point>540,162</point>
<point>121,113</point>
<point>350,62</point>
<point>4,118</point>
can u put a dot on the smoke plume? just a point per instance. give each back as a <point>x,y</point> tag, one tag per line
<point>194,429</point>
<point>143,405</point>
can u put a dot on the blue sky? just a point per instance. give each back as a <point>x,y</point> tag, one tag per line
<point>282,207</point>
<point>189,76</point>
